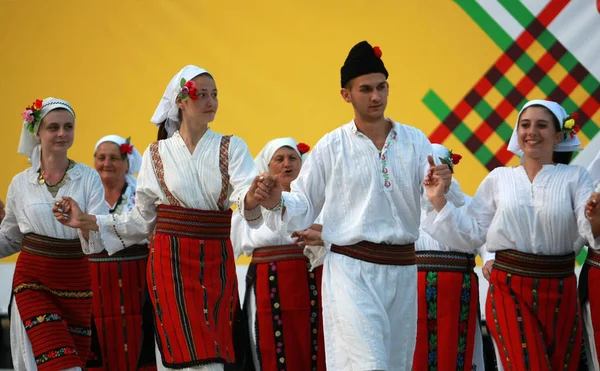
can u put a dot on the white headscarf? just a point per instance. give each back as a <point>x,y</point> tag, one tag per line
<point>264,157</point>
<point>134,159</point>
<point>29,145</point>
<point>167,107</point>
<point>568,144</point>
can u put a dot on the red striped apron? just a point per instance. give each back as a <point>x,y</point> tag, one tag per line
<point>448,295</point>
<point>120,294</point>
<point>289,328</point>
<point>53,289</point>
<point>192,277</point>
<point>532,311</point>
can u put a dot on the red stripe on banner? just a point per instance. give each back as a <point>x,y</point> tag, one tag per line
<point>483,87</point>
<point>551,11</point>
<point>525,40</point>
<point>504,63</point>
<point>440,134</point>
<point>590,106</point>
<point>462,110</point>
<point>568,84</point>
<point>483,132</point>
<point>525,85</point>
<point>546,62</point>
<point>503,154</point>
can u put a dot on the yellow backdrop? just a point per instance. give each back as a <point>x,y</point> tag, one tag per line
<point>276,65</point>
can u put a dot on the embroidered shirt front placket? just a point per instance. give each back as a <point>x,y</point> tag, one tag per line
<point>385,172</point>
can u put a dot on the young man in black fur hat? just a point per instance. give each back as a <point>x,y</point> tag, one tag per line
<point>367,178</point>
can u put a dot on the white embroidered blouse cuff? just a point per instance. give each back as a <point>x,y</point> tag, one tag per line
<point>253,217</point>
<point>107,229</point>
<point>93,245</point>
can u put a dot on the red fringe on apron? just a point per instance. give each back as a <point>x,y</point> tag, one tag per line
<point>193,286</point>
<point>448,295</point>
<point>532,311</point>
<point>589,282</point>
<point>53,290</point>
<point>289,329</point>
<point>120,294</point>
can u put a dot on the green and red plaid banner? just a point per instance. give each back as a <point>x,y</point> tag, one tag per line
<point>537,74</point>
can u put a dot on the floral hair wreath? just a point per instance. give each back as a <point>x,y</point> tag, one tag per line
<point>187,89</point>
<point>31,115</point>
<point>126,148</point>
<point>451,160</point>
<point>303,148</point>
<point>570,127</point>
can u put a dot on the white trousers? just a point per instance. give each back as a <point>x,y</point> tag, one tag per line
<point>369,314</point>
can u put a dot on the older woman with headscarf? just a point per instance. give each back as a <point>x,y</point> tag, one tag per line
<point>52,286</point>
<point>186,186</point>
<point>283,301</point>
<point>119,280</point>
<point>530,216</point>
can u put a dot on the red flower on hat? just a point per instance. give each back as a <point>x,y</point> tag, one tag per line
<point>38,104</point>
<point>303,148</point>
<point>456,158</point>
<point>377,51</point>
<point>574,115</point>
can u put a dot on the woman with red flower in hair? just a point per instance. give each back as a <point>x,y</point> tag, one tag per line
<point>530,216</point>
<point>51,314</point>
<point>119,281</point>
<point>185,189</point>
<point>283,291</point>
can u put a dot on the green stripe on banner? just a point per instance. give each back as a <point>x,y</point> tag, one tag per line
<point>487,23</point>
<point>518,11</point>
<point>483,109</point>
<point>436,105</point>
<point>569,105</point>
<point>504,86</point>
<point>525,63</point>
<point>546,39</point>
<point>590,129</point>
<point>504,131</point>
<point>462,132</point>
<point>546,85</point>
<point>484,155</point>
<point>589,83</point>
<point>580,259</point>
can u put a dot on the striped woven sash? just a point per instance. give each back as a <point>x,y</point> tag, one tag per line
<point>52,247</point>
<point>445,261</point>
<point>535,266</point>
<point>278,253</point>
<point>135,252</point>
<point>193,223</point>
<point>593,258</point>
<point>378,253</point>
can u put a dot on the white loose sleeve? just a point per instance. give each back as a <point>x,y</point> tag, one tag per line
<point>10,234</point>
<point>316,254</point>
<point>240,236</point>
<point>120,231</point>
<point>95,205</point>
<point>454,195</point>
<point>305,201</point>
<point>242,172</point>
<point>468,229</point>
<point>581,196</point>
